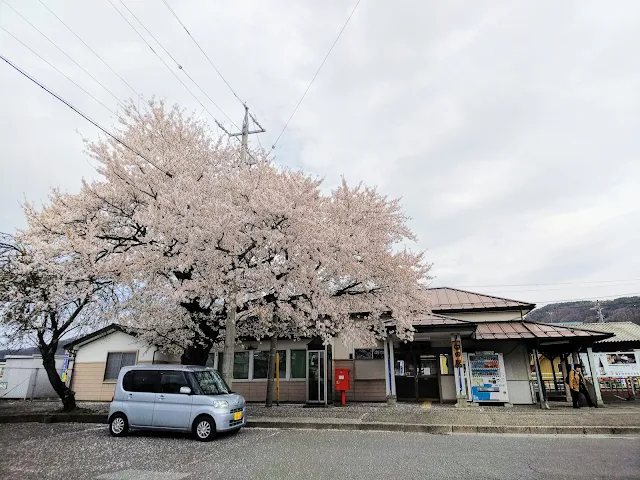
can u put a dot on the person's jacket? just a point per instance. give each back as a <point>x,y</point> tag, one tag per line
<point>574,380</point>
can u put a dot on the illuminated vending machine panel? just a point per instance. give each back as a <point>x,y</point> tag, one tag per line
<point>488,379</point>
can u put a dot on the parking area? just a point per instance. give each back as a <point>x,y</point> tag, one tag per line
<point>86,451</point>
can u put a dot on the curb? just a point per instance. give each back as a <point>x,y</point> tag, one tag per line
<point>362,426</point>
<point>449,429</point>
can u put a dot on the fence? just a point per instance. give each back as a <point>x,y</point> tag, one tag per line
<point>25,383</point>
<point>613,387</point>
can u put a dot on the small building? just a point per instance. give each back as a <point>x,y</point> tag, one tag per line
<point>490,333</point>
<point>98,357</point>
<point>24,377</point>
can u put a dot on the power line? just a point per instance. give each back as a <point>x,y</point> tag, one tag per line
<point>90,49</point>
<point>589,298</point>
<point>56,69</point>
<point>62,51</point>
<point>86,117</point>
<point>179,67</point>
<point>314,77</point>
<point>203,52</point>
<point>178,64</point>
<point>568,287</point>
<point>545,284</point>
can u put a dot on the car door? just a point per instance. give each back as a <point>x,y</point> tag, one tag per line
<point>140,387</point>
<point>172,409</point>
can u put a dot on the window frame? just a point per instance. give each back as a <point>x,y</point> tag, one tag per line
<point>106,364</point>
<point>287,365</point>
<point>372,353</point>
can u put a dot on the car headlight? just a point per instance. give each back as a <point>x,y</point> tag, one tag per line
<point>220,404</point>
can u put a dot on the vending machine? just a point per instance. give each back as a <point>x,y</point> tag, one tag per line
<point>487,377</point>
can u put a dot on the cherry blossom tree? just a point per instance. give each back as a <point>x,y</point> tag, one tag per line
<point>53,283</point>
<point>196,238</point>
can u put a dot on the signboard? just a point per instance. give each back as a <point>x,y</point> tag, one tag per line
<point>456,346</point>
<point>614,364</point>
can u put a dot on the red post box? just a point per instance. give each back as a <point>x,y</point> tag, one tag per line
<point>342,383</point>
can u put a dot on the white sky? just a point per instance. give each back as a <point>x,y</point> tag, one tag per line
<point>510,129</point>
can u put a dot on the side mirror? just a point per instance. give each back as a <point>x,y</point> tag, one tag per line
<point>185,390</point>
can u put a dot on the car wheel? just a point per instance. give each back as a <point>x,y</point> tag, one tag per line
<point>204,428</point>
<point>118,425</point>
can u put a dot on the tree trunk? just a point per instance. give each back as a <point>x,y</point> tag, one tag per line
<point>271,371</point>
<point>229,344</point>
<point>195,354</point>
<point>67,395</point>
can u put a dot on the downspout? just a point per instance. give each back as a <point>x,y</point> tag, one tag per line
<point>71,367</point>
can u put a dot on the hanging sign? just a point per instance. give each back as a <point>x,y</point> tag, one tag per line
<point>456,345</point>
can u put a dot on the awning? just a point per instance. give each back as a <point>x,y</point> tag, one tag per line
<point>543,332</point>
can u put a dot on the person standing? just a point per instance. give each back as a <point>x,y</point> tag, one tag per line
<point>577,386</point>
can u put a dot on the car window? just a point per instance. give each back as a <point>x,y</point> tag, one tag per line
<point>144,381</point>
<point>210,382</point>
<point>171,382</point>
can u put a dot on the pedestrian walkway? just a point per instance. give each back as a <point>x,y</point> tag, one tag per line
<point>622,417</point>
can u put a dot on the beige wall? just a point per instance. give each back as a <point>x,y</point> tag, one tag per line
<point>256,390</point>
<point>88,382</point>
<point>342,348</point>
<point>361,390</point>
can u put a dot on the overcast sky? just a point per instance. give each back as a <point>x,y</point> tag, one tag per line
<point>510,129</point>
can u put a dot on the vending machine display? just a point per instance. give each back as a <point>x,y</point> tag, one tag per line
<point>487,378</point>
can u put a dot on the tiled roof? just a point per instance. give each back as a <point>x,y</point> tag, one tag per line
<point>531,330</point>
<point>622,331</point>
<point>433,319</point>
<point>445,299</point>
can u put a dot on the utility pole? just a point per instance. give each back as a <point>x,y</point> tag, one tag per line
<point>228,351</point>
<point>244,133</point>
<point>599,312</point>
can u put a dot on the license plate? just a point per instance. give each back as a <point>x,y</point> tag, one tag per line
<point>237,416</point>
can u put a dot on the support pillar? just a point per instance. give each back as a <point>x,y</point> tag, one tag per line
<point>565,374</point>
<point>387,370</point>
<point>594,377</point>
<point>536,362</point>
<point>390,378</point>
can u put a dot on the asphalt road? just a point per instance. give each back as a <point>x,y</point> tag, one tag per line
<point>80,451</point>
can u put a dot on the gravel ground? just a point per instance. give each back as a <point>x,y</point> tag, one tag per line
<point>18,407</point>
<point>44,451</point>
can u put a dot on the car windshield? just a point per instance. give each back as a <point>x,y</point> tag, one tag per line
<point>211,382</point>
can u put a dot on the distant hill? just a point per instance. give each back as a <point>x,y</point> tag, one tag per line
<point>624,309</point>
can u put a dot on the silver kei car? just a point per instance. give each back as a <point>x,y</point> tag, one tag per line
<point>175,398</point>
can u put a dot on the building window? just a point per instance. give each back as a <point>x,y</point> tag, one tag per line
<point>369,353</point>
<point>298,364</point>
<point>117,360</point>
<point>260,363</point>
<point>241,366</point>
<point>220,362</point>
